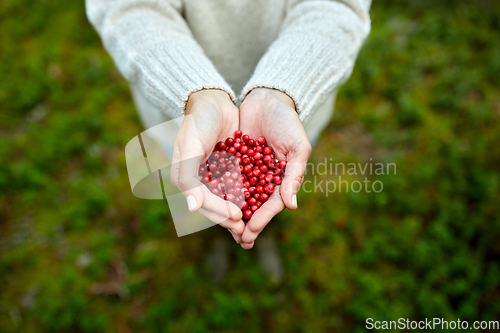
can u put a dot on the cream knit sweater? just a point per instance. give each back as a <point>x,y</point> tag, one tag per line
<point>168,49</point>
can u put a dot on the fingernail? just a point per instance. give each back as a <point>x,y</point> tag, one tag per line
<point>191,201</point>
<point>294,200</point>
<point>234,233</point>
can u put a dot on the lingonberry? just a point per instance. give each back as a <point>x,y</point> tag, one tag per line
<point>242,170</point>
<point>220,145</point>
<point>269,188</point>
<point>247,214</point>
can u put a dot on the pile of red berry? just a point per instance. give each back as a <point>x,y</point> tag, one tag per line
<point>244,171</point>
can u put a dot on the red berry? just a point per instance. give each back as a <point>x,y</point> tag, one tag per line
<point>245,138</point>
<point>250,152</point>
<point>247,168</point>
<point>269,188</point>
<point>257,156</point>
<point>261,140</point>
<point>254,208</point>
<point>264,197</point>
<point>230,197</point>
<point>246,184</point>
<point>262,182</point>
<point>237,145</point>
<point>252,190</point>
<point>253,180</point>
<point>259,189</point>
<point>244,149</point>
<point>237,134</point>
<point>282,164</point>
<point>278,171</point>
<point>252,201</point>
<point>251,142</point>
<point>247,214</point>
<point>229,142</point>
<point>259,162</point>
<point>256,173</point>
<point>231,150</point>
<point>247,195</point>
<point>256,196</point>
<point>258,149</point>
<point>230,182</point>
<point>217,173</point>
<point>277,180</point>
<point>267,151</point>
<point>269,178</point>
<point>205,180</point>
<point>259,203</point>
<point>215,191</point>
<point>213,183</point>
<point>243,205</point>
<point>263,168</point>
<point>220,145</point>
<point>266,159</point>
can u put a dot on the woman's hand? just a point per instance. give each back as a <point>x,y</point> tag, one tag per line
<point>210,117</point>
<point>271,113</point>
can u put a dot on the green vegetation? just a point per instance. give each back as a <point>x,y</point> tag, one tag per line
<point>79,253</point>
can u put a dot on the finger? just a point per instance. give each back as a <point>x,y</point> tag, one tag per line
<point>236,226</point>
<point>220,206</point>
<point>247,246</point>
<point>237,238</point>
<point>174,168</point>
<point>262,217</point>
<point>294,174</point>
<point>191,156</point>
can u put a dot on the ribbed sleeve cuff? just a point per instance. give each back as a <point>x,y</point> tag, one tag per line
<point>304,68</point>
<point>169,72</point>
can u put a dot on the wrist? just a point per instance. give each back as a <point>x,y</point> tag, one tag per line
<point>267,95</point>
<point>209,96</point>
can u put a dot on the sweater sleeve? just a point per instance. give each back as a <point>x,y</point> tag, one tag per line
<point>315,51</point>
<point>154,49</point>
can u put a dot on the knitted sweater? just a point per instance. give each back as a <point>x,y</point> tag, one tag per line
<point>169,49</point>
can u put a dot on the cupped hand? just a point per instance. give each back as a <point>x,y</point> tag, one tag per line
<point>271,113</point>
<point>210,117</point>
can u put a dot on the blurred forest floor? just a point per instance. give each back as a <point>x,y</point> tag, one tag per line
<point>79,253</point>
